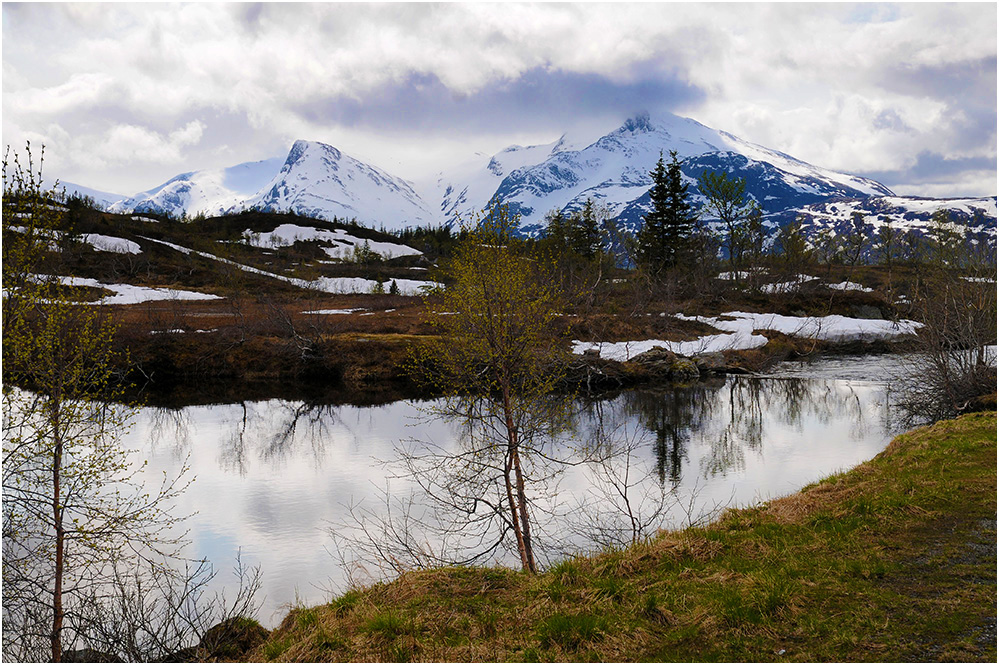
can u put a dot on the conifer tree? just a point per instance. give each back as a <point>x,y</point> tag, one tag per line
<point>665,237</point>
<point>584,234</point>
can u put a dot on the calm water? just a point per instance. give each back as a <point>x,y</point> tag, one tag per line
<point>273,477</point>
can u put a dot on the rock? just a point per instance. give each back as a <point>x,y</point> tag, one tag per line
<point>655,355</point>
<point>684,369</point>
<point>866,312</point>
<point>591,353</point>
<point>232,638</point>
<point>711,362</point>
<point>89,656</point>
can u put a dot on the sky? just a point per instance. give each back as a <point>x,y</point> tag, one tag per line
<point>125,96</point>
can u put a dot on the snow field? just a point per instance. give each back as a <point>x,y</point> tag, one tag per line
<point>407,287</point>
<point>288,234</point>
<point>127,294</point>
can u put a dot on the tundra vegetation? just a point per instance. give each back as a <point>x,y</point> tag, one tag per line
<point>839,571</point>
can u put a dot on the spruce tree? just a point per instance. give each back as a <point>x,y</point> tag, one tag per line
<point>664,240</point>
<point>585,232</point>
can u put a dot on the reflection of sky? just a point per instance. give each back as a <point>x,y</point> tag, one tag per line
<point>272,475</point>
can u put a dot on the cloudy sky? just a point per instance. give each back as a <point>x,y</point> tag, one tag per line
<point>125,96</point>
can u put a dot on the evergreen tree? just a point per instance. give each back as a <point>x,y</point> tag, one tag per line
<point>664,240</point>
<point>584,232</point>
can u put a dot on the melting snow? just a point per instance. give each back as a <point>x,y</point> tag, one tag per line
<point>127,294</point>
<point>849,286</point>
<point>111,244</point>
<point>740,335</point>
<point>287,234</point>
<point>335,311</point>
<point>407,287</point>
<point>787,287</point>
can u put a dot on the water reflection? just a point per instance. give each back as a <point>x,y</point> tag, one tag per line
<point>273,475</point>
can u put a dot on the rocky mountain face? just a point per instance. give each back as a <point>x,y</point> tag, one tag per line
<point>613,170</point>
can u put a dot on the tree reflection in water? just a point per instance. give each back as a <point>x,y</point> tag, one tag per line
<point>731,416</point>
<point>274,431</point>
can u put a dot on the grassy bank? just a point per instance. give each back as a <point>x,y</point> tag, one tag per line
<point>894,560</point>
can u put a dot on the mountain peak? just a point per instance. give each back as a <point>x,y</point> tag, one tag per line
<point>640,123</point>
<point>301,147</point>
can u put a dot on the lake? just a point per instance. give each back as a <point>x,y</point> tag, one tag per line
<point>274,477</point>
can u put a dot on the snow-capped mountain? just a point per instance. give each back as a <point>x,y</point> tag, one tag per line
<point>320,181</point>
<point>614,171</point>
<point>212,191</point>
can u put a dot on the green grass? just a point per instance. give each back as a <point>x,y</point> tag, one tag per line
<point>893,560</point>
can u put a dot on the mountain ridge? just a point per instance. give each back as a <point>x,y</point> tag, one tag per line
<point>612,169</point>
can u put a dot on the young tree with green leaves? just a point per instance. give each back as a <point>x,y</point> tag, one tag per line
<point>728,202</point>
<point>73,504</point>
<point>497,358</point>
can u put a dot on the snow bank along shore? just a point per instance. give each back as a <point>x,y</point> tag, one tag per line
<point>739,327</point>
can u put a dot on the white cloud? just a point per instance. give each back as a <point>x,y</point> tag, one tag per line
<point>812,80</point>
<point>132,144</point>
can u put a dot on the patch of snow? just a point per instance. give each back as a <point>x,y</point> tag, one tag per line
<point>180,330</point>
<point>407,287</point>
<point>980,280</point>
<point>128,294</point>
<point>335,311</point>
<point>787,287</point>
<point>104,243</point>
<point>739,333</point>
<point>140,218</point>
<point>830,328</point>
<point>344,243</point>
<point>850,286</point>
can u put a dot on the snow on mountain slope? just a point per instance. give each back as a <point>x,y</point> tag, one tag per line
<point>211,191</point>
<point>973,216</point>
<point>463,191</point>
<point>105,199</point>
<point>320,181</point>
<point>614,171</point>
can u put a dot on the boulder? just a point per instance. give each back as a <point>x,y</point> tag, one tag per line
<point>654,356</point>
<point>711,362</point>
<point>683,370</point>
<point>89,656</point>
<point>232,638</point>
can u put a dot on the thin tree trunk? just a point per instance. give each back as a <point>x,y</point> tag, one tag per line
<point>524,514</point>
<point>518,507</point>
<point>60,535</point>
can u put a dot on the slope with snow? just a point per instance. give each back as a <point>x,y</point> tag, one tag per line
<point>339,240</point>
<point>320,181</point>
<point>211,191</point>
<point>974,217</point>
<point>614,171</point>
